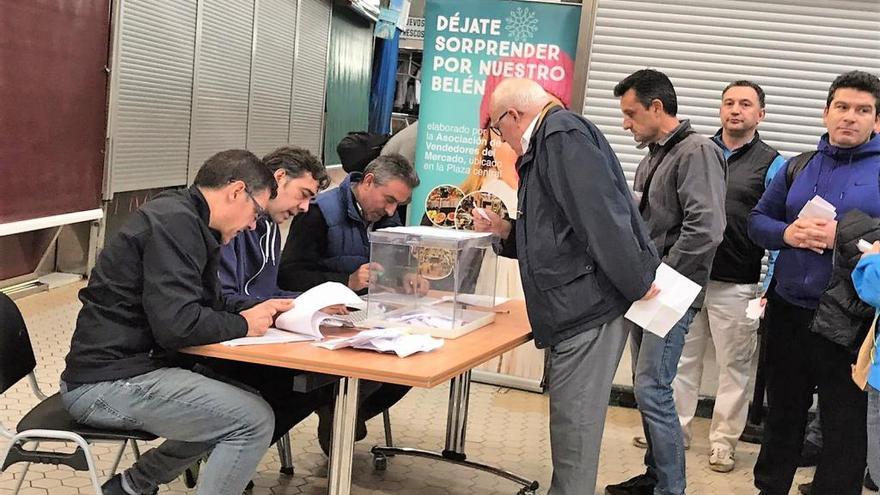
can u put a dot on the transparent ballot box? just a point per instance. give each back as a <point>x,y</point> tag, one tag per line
<point>431,280</point>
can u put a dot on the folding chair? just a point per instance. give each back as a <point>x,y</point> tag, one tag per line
<point>48,421</point>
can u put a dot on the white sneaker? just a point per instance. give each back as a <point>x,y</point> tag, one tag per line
<point>721,460</point>
<point>641,443</point>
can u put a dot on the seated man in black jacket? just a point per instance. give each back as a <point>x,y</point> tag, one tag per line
<point>330,242</point>
<point>153,291</point>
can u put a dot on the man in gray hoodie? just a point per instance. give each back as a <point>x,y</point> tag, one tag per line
<point>680,185</point>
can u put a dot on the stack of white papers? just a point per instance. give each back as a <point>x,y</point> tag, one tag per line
<point>660,314</point>
<point>394,340</point>
<point>304,321</point>
<point>818,208</point>
<point>272,336</point>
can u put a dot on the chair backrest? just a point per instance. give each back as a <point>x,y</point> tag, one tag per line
<point>16,353</point>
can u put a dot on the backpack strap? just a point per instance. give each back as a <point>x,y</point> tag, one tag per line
<point>796,165</point>
<point>672,143</point>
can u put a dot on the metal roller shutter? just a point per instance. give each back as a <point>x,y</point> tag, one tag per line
<point>151,95</point>
<point>792,49</point>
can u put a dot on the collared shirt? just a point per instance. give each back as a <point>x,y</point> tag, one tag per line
<point>652,147</point>
<point>527,135</point>
<point>777,163</point>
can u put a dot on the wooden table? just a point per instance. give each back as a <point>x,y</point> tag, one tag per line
<point>451,362</point>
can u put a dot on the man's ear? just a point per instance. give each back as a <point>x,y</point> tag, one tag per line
<point>657,106</point>
<point>279,174</point>
<point>368,179</point>
<point>235,189</point>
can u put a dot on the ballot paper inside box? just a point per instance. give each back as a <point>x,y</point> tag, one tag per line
<point>440,282</point>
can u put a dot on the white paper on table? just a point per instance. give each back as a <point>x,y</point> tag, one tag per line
<point>272,336</point>
<point>394,340</point>
<point>818,208</point>
<point>306,317</point>
<point>360,337</point>
<point>403,346</point>
<point>660,314</point>
<point>754,310</point>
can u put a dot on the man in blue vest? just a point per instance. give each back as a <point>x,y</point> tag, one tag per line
<point>733,280</point>
<point>330,242</point>
<point>844,172</point>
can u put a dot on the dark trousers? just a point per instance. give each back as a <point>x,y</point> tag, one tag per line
<point>384,397</point>
<point>797,361</point>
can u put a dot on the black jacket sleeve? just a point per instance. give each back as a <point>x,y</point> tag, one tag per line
<point>306,246</point>
<point>508,246</point>
<point>600,211</point>
<point>174,259</point>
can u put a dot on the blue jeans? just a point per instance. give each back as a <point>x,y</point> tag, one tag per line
<point>873,432</point>
<point>194,413</point>
<point>655,362</point>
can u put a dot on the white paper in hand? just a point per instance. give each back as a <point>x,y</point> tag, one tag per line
<point>660,314</point>
<point>754,310</point>
<point>818,208</point>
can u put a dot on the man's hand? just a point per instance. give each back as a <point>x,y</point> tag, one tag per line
<point>336,309</point>
<point>875,249</point>
<point>360,279</point>
<point>494,224</point>
<point>814,234</point>
<point>262,316</point>
<point>651,294</point>
<point>415,284</point>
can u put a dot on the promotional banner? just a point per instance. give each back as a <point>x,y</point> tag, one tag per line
<point>471,46</point>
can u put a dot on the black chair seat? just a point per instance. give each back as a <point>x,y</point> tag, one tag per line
<point>51,415</point>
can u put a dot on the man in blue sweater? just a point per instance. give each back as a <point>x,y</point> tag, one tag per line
<point>845,173</point>
<point>330,243</point>
<point>248,275</point>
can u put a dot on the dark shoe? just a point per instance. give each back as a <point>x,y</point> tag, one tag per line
<point>113,486</point>
<point>639,485</point>
<point>806,488</point>
<point>248,489</point>
<point>360,430</point>
<point>325,428</point>
<point>191,475</point>
<point>869,483</point>
<point>809,455</point>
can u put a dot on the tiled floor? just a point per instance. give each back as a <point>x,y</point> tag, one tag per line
<point>506,427</point>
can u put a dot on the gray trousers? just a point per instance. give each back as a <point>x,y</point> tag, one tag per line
<point>579,376</point>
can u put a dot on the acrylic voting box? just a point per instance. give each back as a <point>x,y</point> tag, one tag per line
<point>431,280</point>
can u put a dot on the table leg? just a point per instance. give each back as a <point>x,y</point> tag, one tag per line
<point>456,416</point>
<point>456,429</point>
<point>342,441</point>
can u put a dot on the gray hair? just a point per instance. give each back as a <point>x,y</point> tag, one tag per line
<point>519,93</point>
<point>393,166</point>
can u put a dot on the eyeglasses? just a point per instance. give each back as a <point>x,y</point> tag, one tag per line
<point>494,127</point>
<point>259,211</point>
